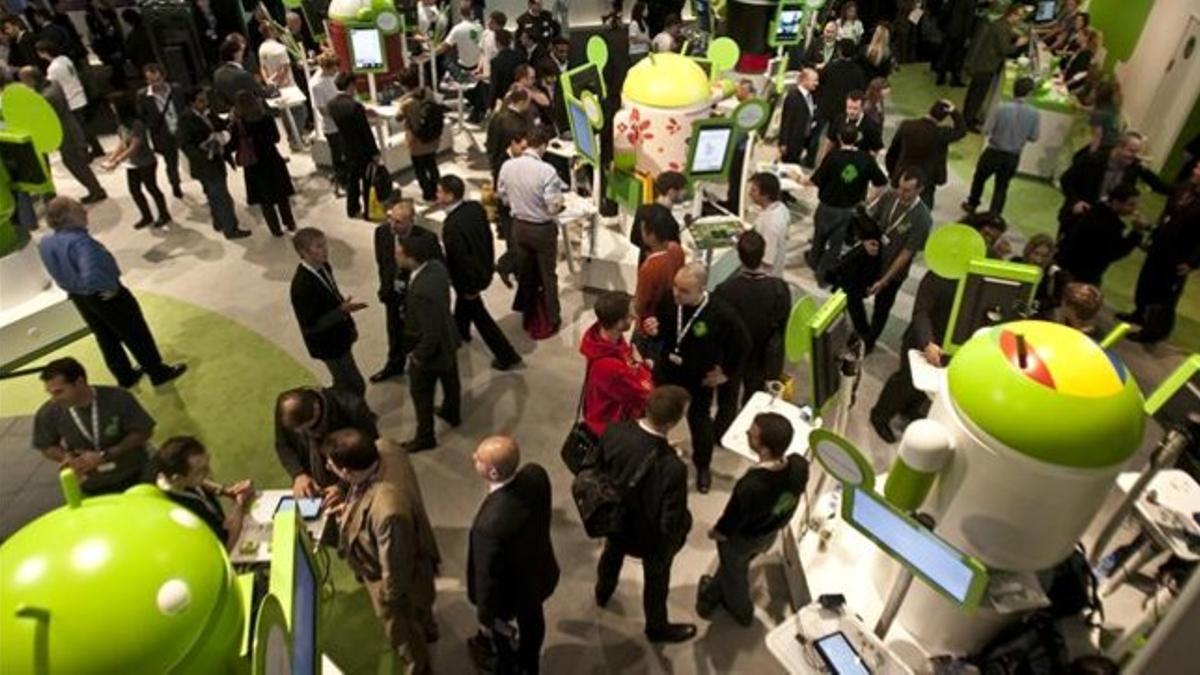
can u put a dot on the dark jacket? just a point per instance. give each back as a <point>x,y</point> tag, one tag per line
<point>470,248</point>
<point>206,158</point>
<point>155,117</point>
<point>510,559</point>
<point>73,135</point>
<point>1084,180</point>
<point>716,338</point>
<point>931,313</point>
<point>657,519</point>
<point>229,79</point>
<point>924,144</point>
<point>764,304</point>
<point>504,126</point>
<point>870,131</point>
<point>796,124</point>
<point>989,47</point>
<point>301,452</point>
<point>353,129</point>
<point>840,77</point>
<point>267,180</point>
<point>1097,240</point>
<point>393,281</point>
<point>429,329</point>
<point>504,65</point>
<point>328,331</point>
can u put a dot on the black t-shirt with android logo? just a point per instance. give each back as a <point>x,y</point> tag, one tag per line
<point>843,176</point>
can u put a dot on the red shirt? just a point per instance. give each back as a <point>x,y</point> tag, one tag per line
<point>655,278</point>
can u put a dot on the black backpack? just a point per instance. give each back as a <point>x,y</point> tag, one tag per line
<point>428,120</point>
<point>1032,647</point>
<point>600,499</point>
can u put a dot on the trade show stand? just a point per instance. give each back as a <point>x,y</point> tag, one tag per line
<point>34,313</point>
<point>1059,116</point>
<point>1165,515</point>
<point>253,546</point>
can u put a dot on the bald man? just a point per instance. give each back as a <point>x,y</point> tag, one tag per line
<point>511,568</point>
<point>704,344</point>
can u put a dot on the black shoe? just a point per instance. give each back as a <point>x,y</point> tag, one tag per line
<point>142,224</point>
<point>237,234</point>
<point>883,428</point>
<point>177,191</point>
<point>417,445</point>
<point>506,279</point>
<point>168,373</point>
<point>93,198</point>
<point>1141,337</point>
<point>163,220</point>
<point>1128,317</point>
<point>703,480</point>
<point>133,380</point>
<point>454,421</point>
<point>277,233</point>
<point>507,364</point>
<point>704,608</point>
<point>672,632</point>
<point>479,647</point>
<point>386,374</point>
<point>968,207</point>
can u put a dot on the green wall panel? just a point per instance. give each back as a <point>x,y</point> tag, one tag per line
<point>1122,22</point>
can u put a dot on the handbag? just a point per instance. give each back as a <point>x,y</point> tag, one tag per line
<point>245,154</point>
<point>601,501</point>
<point>580,447</point>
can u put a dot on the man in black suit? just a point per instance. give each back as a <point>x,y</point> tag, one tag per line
<point>470,256</point>
<point>839,77</point>
<point>870,131</point>
<point>160,105</point>
<point>204,139</point>
<point>22,43</point>
<point>1099,237</point>
<point>1093,175</point>
<point>504,65</point>
<point>231,77</point>
<point>393,280</point>
<point>304,418</point>
<point>358,143</point>
<point>799,120</point>
<point>323,312</point>
<point>924,143</point>
<point>431,337</point>
<point>511,568</point>
<point>657,519</point>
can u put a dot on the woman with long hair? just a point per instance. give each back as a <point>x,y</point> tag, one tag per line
<point>850,27</point>
<point>639,33</point>
<point>876,60</point>
<point>875,98</point>
<point>268,183</point>
<point>1105,118</point>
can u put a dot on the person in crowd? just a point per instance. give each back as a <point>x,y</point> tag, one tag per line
<point>617,382</point>
<point>533,192</point>
<point>184,474</point>
<point>394,280</point>
<point>506,133</point>
<point>470,259</point>
<point>135,154</point>
<point>231,77</point>
<point>875,100</point>
<point>552,114</point>
<point>657,520</point>
<point>762,502</point>
<point>764,303</point>
<point>668,39</point>
<point>655,277</point>
<point>1039,251</point>
<point>1009,127</point>
<point>1092,176</point>
<point>669,190</point>
<point>848,23</point>
<point>61,71</point>
<point>639,33</point>
<point>324,90</point>
<point>81,266</point>
<point>357,141</point>
<point>255,137</point>
<point>511,567</point>
<point>503,67</point>
<point>538,25</point>
<point>1080,309</point>
<point>870,133</point>
<point>927,334</point>
<point>797,126</point>
<point>1063,24</point>
<point>842,181</point>
<point>1075,68</point>
<point>139,49</point>
<point>704,345</point>
<point>432,338</point>
<point>924,143</point>
<point>904,224</point>
<point>906,36</point>
<point>98,432</point>
<point>1098,238</point>
<point>74,148</point>
<point>160,105</point>
<point>488,50</point>
<point>824,49</point>
<point>990,47</point>
<point>992,228</point>
<point>525,76</point>
<point>304,418</point>
<point>299,33</point>
<point>876,59</point>
<point>424,121</point>
<point>432,22</point>
<point>1173,254</point>
<point>464,40</point>
<point>204,139</point>
<point>772,221</point>
<point>275,68</point>
<point>385,537</point>
<point>1104,120</point>
<point>956,19</point>
<point>324,314</point>
<point>22,43</point>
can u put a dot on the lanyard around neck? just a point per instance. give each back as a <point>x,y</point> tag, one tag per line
<point>681,328</point>
<point>93,436</point>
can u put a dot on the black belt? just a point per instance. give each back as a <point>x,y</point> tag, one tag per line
<point>534,222</point>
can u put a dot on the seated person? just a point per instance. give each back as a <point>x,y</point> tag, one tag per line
<point>185,475</point>
<point>1080,310</point>
<point>99,432</point>
<point>303,418</point>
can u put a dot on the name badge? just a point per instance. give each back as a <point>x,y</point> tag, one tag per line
<point>675,358</point>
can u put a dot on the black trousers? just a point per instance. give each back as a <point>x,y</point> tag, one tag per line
<point>656,580</point>
<point>425,167</point>
<point>870,329</point>
<point>337,155</point>
<point>118,324</point>
<point>83,116</point>
<point>525,658</point>
<point>170,154</point>
<point>76,160</point>
<point>397,353</point>
<point>898,394</point>
<point>422,382</point>
<point>976,97</point>
<point>1159,288</point>
<point>357,189</point>
<point>700,425</point>
<point>1002,165</point>
<point>220,204</point>
<point>143,176</point>
<point>274,212</point>
<point>472,311</point>
<point>540,241</point>
<point>950,59</point>
<point>730,586</point>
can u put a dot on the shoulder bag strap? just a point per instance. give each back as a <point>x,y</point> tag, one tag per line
<point>642,469</point>
<point>587,374</point>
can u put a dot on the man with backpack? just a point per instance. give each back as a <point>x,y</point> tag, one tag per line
<point>358,143</point>
<point>636,456</point>
<point>424,120</point>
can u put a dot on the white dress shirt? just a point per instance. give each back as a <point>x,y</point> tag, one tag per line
<point>62,72</point>
<point>772,223</point>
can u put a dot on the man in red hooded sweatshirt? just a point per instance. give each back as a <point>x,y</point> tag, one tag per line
<point>618,381</point>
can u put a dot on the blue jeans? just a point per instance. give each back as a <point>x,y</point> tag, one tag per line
<point>220,204</point>
<point>830,224</point>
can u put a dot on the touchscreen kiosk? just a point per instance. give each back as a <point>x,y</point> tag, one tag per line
<point>586,77</point>
<point>582,132</point>
<point>830,330</point>
<point>711,149</point>
<point>367,53</point>
<point>1046,11</point>
<point>991,293</point>
<point>294,582</point>
<point>952,573</point>
<point>788,27</point>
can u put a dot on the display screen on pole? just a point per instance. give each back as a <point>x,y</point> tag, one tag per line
<point>581,131</point>
<point>304,613</point>
<point>789,25</point>
<point>1046,11</point>
<point>916,547</point>
<point>366,49</point>
<point>712,149</point>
